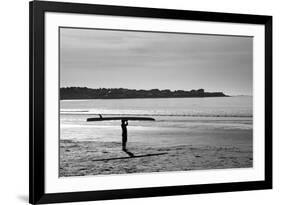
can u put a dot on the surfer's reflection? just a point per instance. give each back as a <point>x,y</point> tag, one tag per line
<point>124,124</point>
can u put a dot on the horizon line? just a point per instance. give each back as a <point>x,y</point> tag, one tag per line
<point>235,94</point>
<point>135,88</point>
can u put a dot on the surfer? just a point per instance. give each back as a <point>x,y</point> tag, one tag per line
<point>124,124</point>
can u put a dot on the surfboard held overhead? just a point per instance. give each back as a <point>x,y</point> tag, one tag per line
<point>120,118</point>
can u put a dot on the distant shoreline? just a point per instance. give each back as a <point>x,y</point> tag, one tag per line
<point>144,98</point>
<point>84,93</point>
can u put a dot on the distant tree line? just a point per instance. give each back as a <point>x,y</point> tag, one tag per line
<point>120,93</point>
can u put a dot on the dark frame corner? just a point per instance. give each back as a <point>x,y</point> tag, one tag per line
<point>37,10</point>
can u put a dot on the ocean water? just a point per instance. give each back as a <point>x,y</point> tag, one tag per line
<point>211,121</point>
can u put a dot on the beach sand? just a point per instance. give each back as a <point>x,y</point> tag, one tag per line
<point>80,158</point>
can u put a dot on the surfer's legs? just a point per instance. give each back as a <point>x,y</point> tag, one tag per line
<point>124,148</point>
<point>124,141</point>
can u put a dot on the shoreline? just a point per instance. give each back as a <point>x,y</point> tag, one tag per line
<point>82,99</point>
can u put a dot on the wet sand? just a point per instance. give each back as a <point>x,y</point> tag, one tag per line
<point>79,158</point>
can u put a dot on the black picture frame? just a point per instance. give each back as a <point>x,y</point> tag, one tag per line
<point>37,9</point>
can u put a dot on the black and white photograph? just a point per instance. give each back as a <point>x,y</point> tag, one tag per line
<point>147,101</point>
<point>133,101</point>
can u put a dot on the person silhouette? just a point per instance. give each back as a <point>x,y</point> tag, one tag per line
<point>124,124</point>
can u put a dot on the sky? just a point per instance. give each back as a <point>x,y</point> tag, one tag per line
<point>148,60</point>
